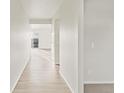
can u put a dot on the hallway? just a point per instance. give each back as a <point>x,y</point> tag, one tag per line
<point>41,75</point>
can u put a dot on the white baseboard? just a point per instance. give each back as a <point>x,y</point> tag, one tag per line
<point>66,82</point>
<point>20,74</point>
<point>98,82</point>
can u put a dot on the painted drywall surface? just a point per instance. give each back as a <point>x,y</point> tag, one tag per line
<point>44,33</point>
<point>99,41</point>
<point>68,16</point>
<point>55,40</point>
<point>81,47</point>
<point>19,41</point>
<point>40,21</point>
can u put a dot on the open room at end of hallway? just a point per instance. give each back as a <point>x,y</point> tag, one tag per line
<point>41,36</point>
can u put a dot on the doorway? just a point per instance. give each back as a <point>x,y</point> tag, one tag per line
<point>41,36</point>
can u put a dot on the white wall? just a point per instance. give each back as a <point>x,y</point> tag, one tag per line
<point>20,41</point>
<point>81,47</point>
<point>68,16</point>
<point>99,41</point>
<point>44,33</point>
<point>55,40</point>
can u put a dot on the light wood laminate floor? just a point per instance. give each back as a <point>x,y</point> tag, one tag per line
<point>41,76</point>
<point>99,88</point>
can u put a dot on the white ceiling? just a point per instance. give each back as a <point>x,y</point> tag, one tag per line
<point>41,9</point>
<point>41,27</point>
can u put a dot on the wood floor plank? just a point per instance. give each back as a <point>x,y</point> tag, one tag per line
<point>99,88</point>
<point>41,75</point>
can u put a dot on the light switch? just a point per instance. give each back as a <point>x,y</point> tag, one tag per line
<point>89,72</point>
<point>92,44</point>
